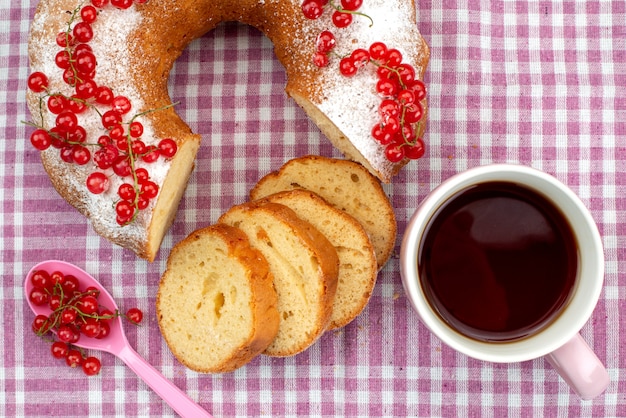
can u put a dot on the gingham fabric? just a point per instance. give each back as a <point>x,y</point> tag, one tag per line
<point>541,83</point>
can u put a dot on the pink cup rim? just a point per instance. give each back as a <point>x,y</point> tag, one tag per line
<point>589,281</point>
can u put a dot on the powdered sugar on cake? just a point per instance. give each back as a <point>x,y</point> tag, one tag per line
<point>111,31</point>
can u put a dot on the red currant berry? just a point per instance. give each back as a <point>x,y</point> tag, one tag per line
<point>122,4</point>
<point>57,103</point>
<point>413,112</point>
<point>391,125</point>
<point>41,324</point>
<point>90,328</point>
<point>151,155</point>
<point>70,283</point>
<point>361,57</point>
<point>380,135</point>
<point>149,189</point>
<point>64,39</point>
<point>80,154</point>
<point>85,63</point>
<point>325,41</point>
<point>59,350</point>
<point>78,135</point>
<point>127,192</point>
<point>106,315</point>
<point>138,147</point>
<point>56,277</point>
<point>69,77</point>
<point>351,5</point>
<point>407,134</point>
<point>41,278</point>
<point>142,175</point>
<point>110,118</point>
<point>407,74</point>
<point>104,95</point>
<point>67,121</point>
<point>125,212</point>
<point>168,147</point>
<point>419,89</point>
<point>378,51</point>
<point>40,139</point>
<point>312,9</point>
<point>83,32</point>
<point>104,140</point>
<point>99,3</point>
<point>405,97</point>
<point>67,333</point>
<point>341,19</point>
<point>135,129</point>
<point>417,150</point>
<point>38,82</point>
<point>91,366</point>
<point>38,296</point>
<point>54,302</point>
<point>142,202</point>
<point>76,104</point>
<point>88,305</point>
<point>388,108</point>
<point>117,133</point>
<point>68,316</point>
<point>105,157</point>
<point>97,182</point>
<point>121,104</point>
<point>86,89</point>
<point>134,315</point>
<point>394,153</point>
<point>394,58</point>
<point>105,330</point>
<point>74,358</point>
<point>88,14</point>
<point>122,144</point>
<point>387,87</point>
<point>347,67</point>
<point>67,154</point>
<point>62,60</point>
<point>320,59</point>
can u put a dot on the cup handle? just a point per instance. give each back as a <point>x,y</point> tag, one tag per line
<point>579,366</point>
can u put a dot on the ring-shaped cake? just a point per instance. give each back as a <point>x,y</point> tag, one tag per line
<point>112,142</point>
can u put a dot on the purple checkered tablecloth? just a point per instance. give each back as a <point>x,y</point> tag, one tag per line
<point>541,83</point>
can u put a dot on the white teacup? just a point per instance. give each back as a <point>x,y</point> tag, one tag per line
<point>559,341</point>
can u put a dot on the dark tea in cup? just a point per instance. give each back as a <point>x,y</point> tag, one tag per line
<point>498,261</point>
<point>504,263</point>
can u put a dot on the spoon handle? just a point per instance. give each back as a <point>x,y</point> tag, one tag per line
<point>168,391</point>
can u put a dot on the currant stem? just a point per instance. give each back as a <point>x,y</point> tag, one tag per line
<point>351,12</point>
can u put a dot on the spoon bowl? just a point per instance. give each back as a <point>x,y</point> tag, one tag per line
<point>116,342</point>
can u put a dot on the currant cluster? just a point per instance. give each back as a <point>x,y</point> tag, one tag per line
<point>400,109</point>
<point>401,91</point>
<point>120,146</point>
<point>342,15</point>
<point>75,313</point>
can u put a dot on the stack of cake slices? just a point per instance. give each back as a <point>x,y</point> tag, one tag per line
<point>275,273</point>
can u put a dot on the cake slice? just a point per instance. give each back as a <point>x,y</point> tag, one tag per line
<point>357,259</point>
<point>304,265</point>
<point>347,186</point>
<point>216,303</point>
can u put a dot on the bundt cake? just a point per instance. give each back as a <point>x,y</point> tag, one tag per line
<point>110,137</point>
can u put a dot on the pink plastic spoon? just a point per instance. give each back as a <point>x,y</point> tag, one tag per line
<point>116,342</point>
